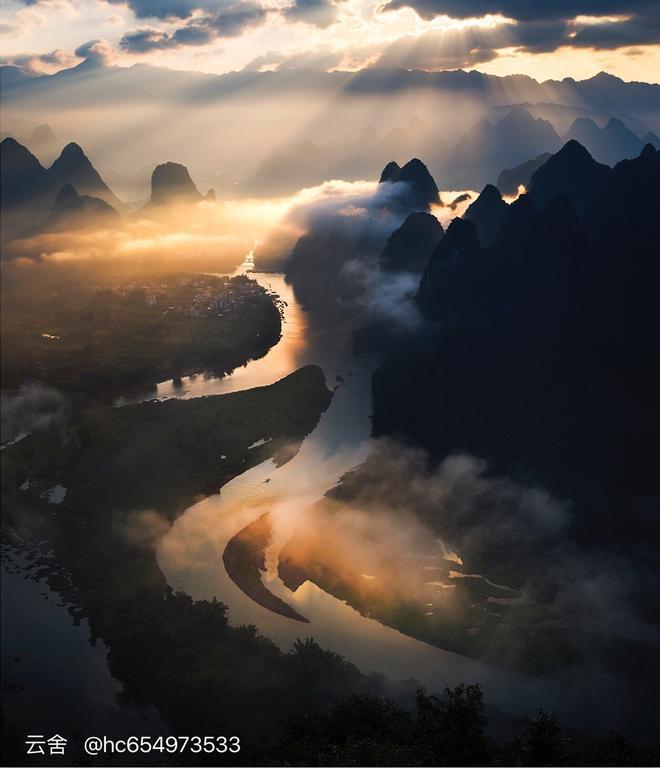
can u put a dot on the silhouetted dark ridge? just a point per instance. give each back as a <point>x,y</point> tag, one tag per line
<point>487,212</point>
<point>171,182</point>
<point>410,246</point>
<point>624,225</point>
<point>515,226</point>
<point>510,179</point>
<point>422,190</point>
<point>389,172</point>
<point>73,167</point>
<point>553,277</point>
<point>21,174</point>
<point>651,153</point>
<point>546,359</point>
<point>571,172</point>
<point>455,258</point>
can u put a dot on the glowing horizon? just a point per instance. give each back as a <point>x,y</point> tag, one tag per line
<point>47,36</point>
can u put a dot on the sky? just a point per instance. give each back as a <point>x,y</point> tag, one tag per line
<point>544,39</point>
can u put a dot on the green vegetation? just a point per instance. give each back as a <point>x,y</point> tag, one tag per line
<point>166,649</point>
<point>445,730</point>
<point>98,338</point>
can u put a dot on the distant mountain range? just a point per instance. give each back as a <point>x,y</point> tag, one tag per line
<point>477,157</point>
<point>484,149</point>
<point>517,137</point>
<point>303,145</point>
<point>41,141</point>
<point>603,91</point>
<point>71,192</point>
<point>611,143</point>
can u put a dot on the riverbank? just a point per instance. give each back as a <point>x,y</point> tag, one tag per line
<point>128,472</point>
<point>244,559</point>
<point>100,339</point>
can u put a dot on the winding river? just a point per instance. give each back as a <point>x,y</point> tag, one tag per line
<point>190,554</point>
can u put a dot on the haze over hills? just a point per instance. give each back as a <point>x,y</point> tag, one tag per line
<point>72,210</point>
<point>410,246</point>
<point>171,183</point>
<point>305,142</point>
<point>485,148</point>
<point>26,182</point>
<point>609,144</point>
<point>478,155</point>
<point>535,360</point>
<point>603,91</point>
<point>357,462</point>
<point>570,277</point>
<point>510,179</point>
<point>544,362</point>
<point>326,264</point>
<point>71,195</point>
<point>41,141</point>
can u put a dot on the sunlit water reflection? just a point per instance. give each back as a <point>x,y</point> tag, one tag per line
<point>190,555</point>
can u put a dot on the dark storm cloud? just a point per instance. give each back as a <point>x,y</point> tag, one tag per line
<point>545,26</point>
<point>143,40</point>
<point>523,10</point>
<point>321,13</point>
<point>459,48</point>
<point>642,29</point>
<point>162,9</point>
<point>230,21</point>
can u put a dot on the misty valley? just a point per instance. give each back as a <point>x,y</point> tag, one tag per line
<point>330,413</point>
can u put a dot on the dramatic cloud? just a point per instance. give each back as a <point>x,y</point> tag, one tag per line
<point>498,525</point>
<point>546,26</point>
<point>521,10</point>
<point>640,29</point>
<point>318,12</point>
<point>41,62</point>
<point>164,9</point>
<point>229,20</point>
<point>142,40</point>
<point>96,51</point>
